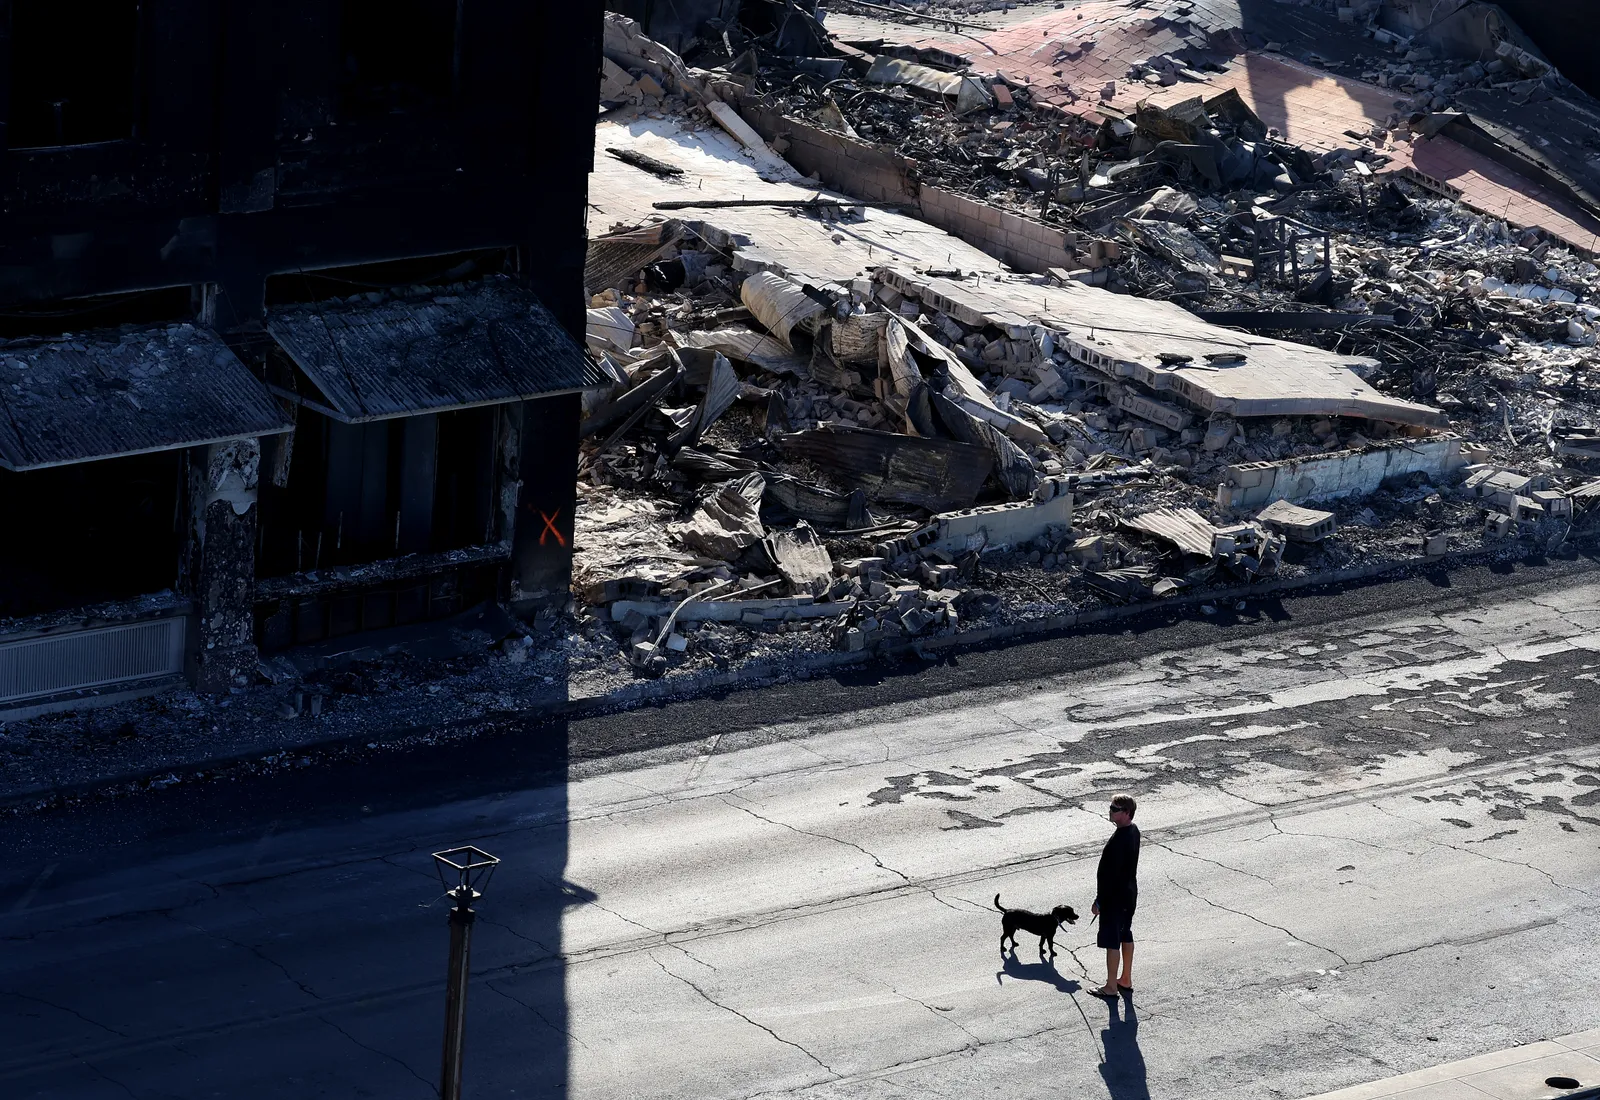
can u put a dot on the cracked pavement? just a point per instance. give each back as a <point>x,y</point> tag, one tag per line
<point>1371,845</point>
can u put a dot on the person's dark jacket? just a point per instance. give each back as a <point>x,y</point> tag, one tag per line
<point>1117,879</point>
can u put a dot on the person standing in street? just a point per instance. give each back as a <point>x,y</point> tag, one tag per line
<point>1117,895</point>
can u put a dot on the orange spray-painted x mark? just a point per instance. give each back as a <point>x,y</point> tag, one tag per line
<point>550,527</point>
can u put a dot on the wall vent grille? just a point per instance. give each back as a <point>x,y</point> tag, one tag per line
<point>101,657</point>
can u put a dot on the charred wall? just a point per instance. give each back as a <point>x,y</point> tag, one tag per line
<point>674,23</point>
<point>252,138</point>
<point>185,153</point>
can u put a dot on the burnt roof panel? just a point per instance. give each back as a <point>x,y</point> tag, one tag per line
<point>375,356</point>
<point>111,393</point>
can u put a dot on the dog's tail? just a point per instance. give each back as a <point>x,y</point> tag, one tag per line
<point>998,906</point>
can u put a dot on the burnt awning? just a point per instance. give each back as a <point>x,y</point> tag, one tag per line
<point>112,393</point>
<point>375,356</point>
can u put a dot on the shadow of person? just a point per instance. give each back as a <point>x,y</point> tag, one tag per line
<point>1123,1068</point>
<point>1042,971</point>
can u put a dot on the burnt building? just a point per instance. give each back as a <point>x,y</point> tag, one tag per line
<point>288,296</point>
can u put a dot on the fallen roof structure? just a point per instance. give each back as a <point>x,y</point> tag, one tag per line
<point>1167,348</point>
<point>1226,371</point>
<point>936,474</point>
<point>1185,528</point>
<point>760,238</point>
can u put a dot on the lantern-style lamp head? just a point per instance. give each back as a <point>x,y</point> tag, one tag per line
<point>465,872</point>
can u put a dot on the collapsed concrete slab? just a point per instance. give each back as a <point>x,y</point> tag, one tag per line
<point>1170,351</point>
<point>1338,474</point>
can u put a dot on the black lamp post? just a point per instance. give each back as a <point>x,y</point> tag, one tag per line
<point>465,874</point>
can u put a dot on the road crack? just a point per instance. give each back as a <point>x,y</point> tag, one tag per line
<point>952,1021</point>
<point>542,1017</point>
<point>1213,862</point>
<point>64,1008</point>
<point>527,939</point>
<point>901,875</point>
<point>1481,854</point>
<point>104,1076</point>
<point>256,951</point>
<point>432,1091</point>
<point>627,920</point>
<point>1252,917</point>
<point>1491,858</point>
<point>710,1000</point>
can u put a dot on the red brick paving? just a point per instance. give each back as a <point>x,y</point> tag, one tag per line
<point>1069,56</point>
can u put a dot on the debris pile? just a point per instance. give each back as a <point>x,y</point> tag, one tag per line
<point>1256,360</point>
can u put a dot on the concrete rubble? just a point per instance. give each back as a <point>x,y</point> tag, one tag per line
<point>1075,308</point>
<point>1248,359</point>
<point>889,366</point>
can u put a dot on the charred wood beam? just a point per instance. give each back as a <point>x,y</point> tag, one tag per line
<point>637,400</point>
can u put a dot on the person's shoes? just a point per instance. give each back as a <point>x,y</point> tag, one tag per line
<point>1124,988</point>
<point>1104,994</point>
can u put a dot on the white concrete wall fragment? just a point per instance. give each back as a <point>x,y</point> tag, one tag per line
<point>1340,474</point>
<point>999,525</point>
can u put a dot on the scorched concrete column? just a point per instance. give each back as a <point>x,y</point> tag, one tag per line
<point>221,566</point>
<point>541,544</point>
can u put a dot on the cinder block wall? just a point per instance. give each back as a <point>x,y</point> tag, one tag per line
<point>858,169</point>
<point>1341,474</point>
<point>865,171</point>
<point>1019,242</point>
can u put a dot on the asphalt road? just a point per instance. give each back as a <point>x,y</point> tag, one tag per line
<point>1372,843</point>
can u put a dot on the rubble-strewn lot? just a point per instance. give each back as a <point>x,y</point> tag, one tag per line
<point>1255,361</point>
<point>834,427</point>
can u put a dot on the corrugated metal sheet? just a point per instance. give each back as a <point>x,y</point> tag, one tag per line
<point>609,263</point>
<point>100,395</point>
<point>936,474</point>
<point>36,667</point>
<point>1185,528</point>
<point>374,356</point>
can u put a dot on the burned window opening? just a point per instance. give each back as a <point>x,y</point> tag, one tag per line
<point>400,56</point>
<point>96,531</point>
<point>140,307</point>
<point>281,624</point>
<point>74,72</point>
<point>342,282</point>
<point>358,493</point>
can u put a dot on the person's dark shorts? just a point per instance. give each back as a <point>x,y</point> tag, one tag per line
<point>1116,929</point>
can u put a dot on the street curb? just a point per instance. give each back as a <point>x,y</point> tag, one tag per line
<point>758,674</point>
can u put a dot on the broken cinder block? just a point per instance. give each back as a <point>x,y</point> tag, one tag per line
<point>1555,503</point>
<point>994,526</point>
<point>1088,551</point>
<point>1298,524</point>
<point>632,619</point>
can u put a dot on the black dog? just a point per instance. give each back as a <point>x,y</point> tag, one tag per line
<point>1043,925</point>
